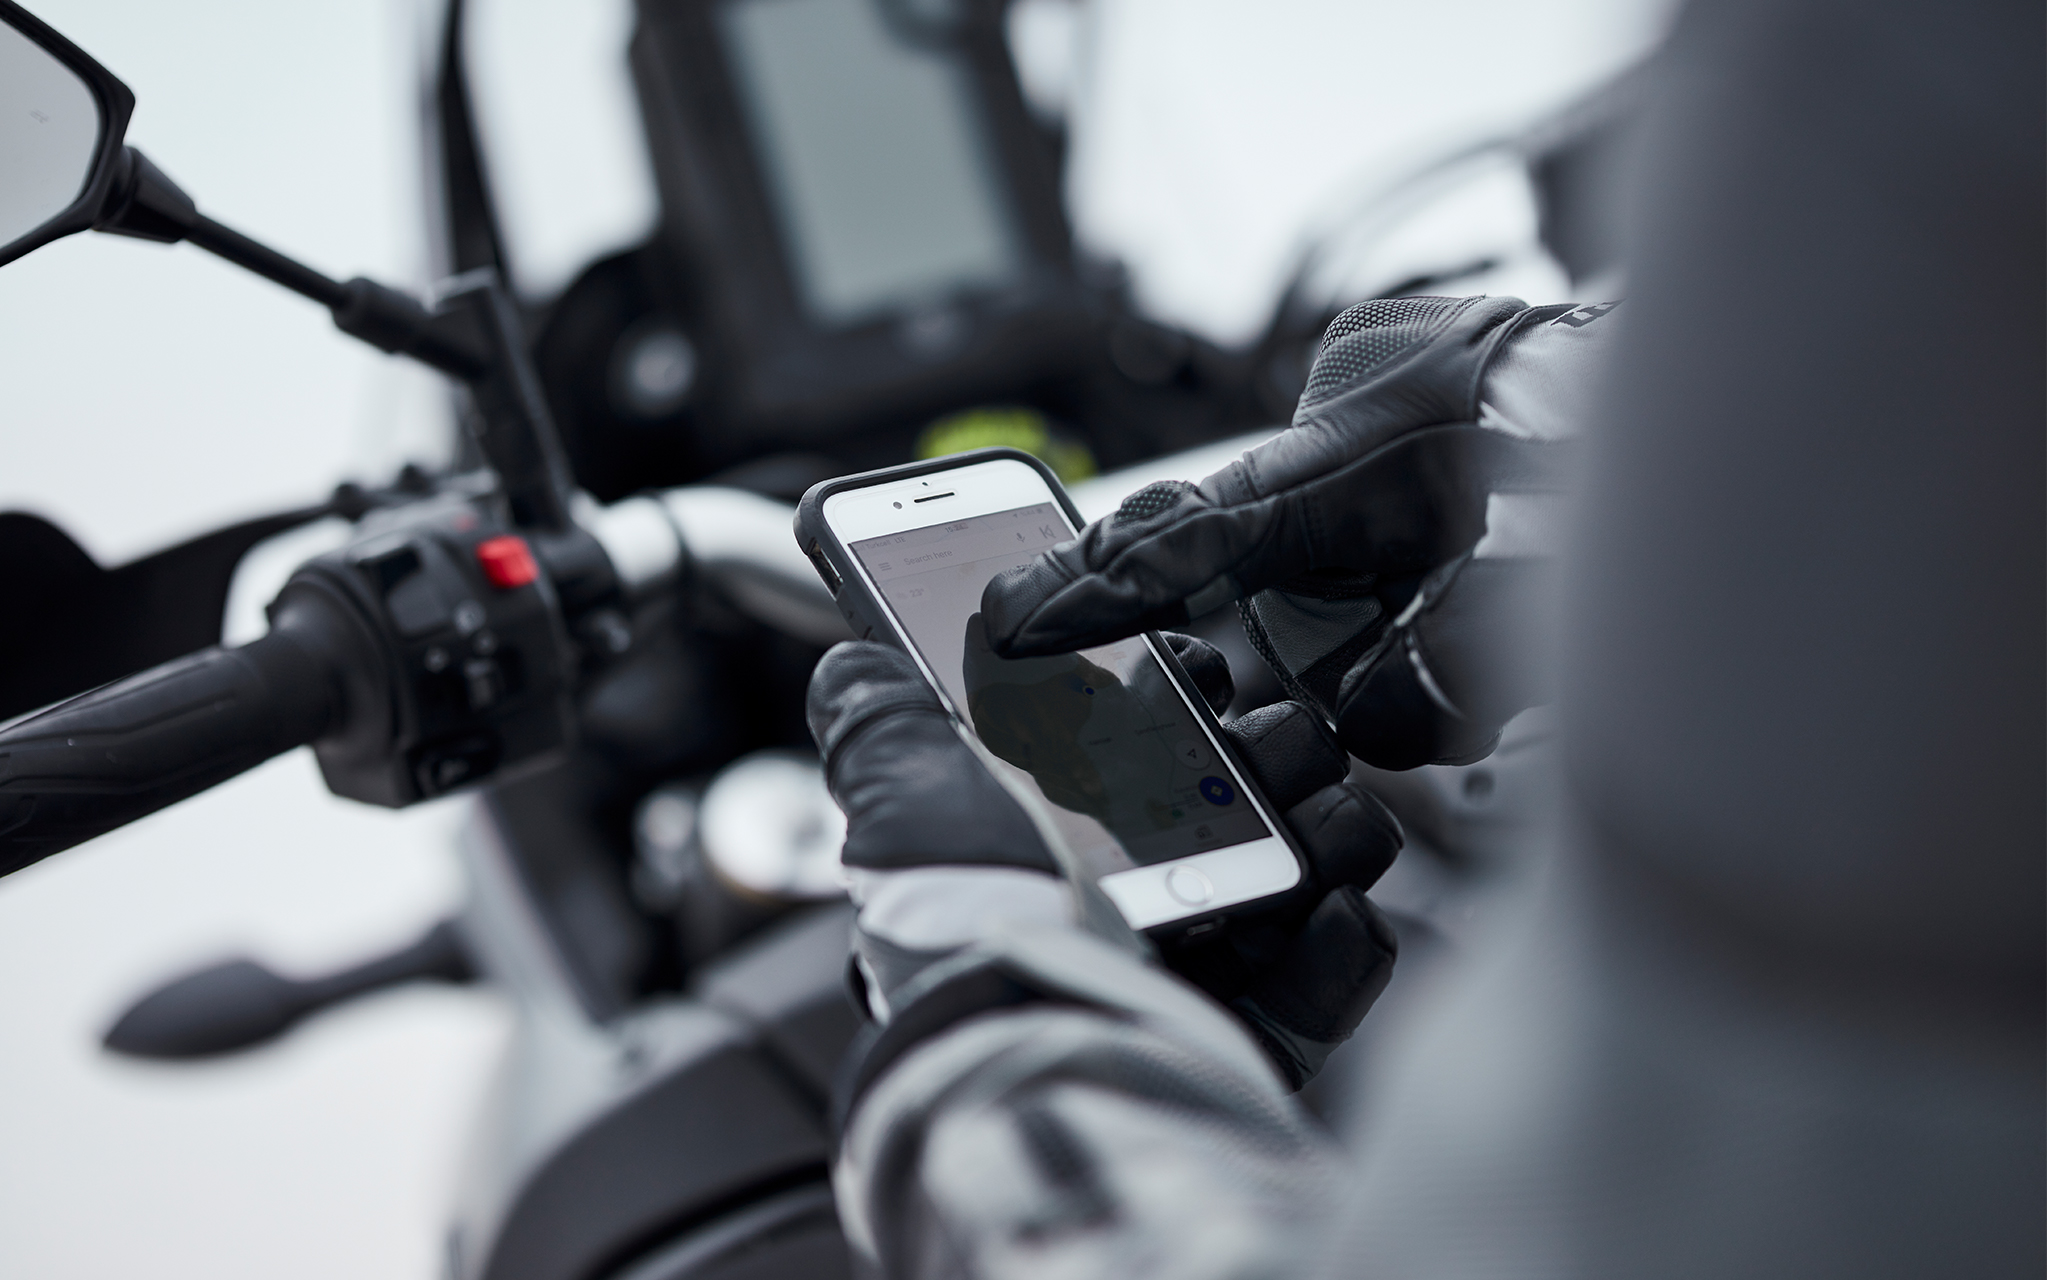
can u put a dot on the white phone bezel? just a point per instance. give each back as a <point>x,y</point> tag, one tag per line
<point>1148,896</point>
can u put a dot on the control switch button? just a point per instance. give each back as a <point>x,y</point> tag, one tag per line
<point>416,607</point>
<point>507,561</point>
<point>484,682</point>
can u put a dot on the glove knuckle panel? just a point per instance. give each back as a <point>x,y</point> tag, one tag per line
<point>1154,499</point>
<point>1400,363</point>
<point>1363,340</point>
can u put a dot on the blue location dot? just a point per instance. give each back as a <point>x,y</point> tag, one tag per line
<point>1216,791</point>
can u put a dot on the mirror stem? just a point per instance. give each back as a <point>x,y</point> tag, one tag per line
<point>476,335</point>
<point>294,275</point>
<point>149,206</point>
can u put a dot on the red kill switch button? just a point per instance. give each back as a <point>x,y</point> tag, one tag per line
<point>507,562</point>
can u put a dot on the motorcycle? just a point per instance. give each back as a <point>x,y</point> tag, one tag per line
<point>648,864</point>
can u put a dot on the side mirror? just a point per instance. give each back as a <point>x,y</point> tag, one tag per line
<point>62,118</point>
<point>65,168</point>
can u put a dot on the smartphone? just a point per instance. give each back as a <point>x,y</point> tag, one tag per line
<point>1129,763</point>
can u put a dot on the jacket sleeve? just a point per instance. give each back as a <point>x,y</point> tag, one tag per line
<point>1116,1125</point>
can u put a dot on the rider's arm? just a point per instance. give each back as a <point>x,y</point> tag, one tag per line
<point>1036,1086</point>
<point>1034,1099</point>
<point>1113,1125</point>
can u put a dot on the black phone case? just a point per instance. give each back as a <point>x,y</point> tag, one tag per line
<point>834,562</point>
<point>870,621</point>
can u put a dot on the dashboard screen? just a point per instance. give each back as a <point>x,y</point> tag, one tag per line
<point>875,155</point>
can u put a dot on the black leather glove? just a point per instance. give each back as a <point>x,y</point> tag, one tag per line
<point>939,853</point>
<point>1353,540</point>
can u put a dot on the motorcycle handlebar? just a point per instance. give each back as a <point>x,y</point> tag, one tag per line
<point>127,749</point>
<point>735,540</point>
<point>121,752</point>
<point>741,542</point>
<point>124,751</point>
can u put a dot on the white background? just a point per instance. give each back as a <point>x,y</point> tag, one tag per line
<point>150,393</point>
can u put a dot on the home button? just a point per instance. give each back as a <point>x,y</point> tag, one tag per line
<point>1189,886</point>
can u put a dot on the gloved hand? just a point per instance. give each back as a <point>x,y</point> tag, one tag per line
<point>1353,540</point>
<point>940,854</point>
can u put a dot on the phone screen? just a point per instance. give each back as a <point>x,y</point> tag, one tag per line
<point>1104,735</point>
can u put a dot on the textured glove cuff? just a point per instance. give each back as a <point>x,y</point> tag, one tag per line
<point>1042,966</point>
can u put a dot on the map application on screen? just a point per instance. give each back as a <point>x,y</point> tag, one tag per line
<point>1103,734</point>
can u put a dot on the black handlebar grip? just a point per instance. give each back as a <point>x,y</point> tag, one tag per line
<point>127,749</point>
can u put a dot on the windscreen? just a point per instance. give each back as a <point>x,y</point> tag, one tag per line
<point>1104,734</point>
<point>874,154</point>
